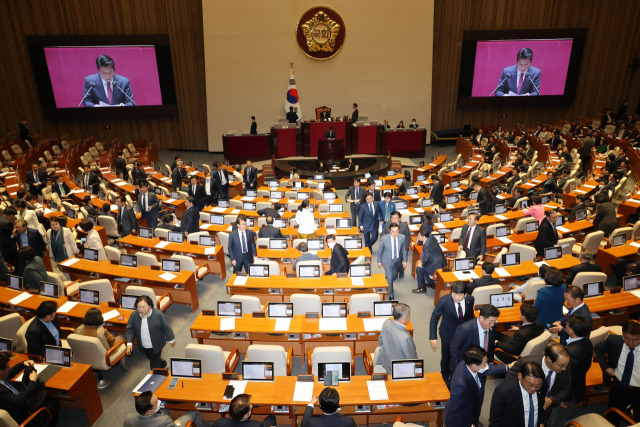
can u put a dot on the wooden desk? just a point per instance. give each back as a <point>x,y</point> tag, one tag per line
<point>133,244</point>
<point>74,387</point>
<point>430,167</point>
<point>286,256</point>
<point>186,294</point>
<point>405,143</point>
<point>609,256</point>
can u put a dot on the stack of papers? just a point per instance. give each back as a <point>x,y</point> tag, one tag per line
<point>70,262</point>
<point>539,263</point>
<point>162,244</point>
<point>373,323</point>
<point>502,272</point>
<point>502,218</point>
<point>332,324</point>
<point>240,280</point>
<point>210,251</point>
<point>22,297</point>
<point>170,200</point>
<point>505,240</point>
<point>563,230</point>
<point>461,275</point>
<point>239,387</point>
<point>167,276</point>
<point>110,315</point>
<point>67,306</point>
<point>219,210</point>
<point>227,323</point>
<point>377,390</point>
<point>331,231</point>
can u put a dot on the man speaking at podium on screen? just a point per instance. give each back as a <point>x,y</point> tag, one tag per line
<point>520,79</point>
<point>106,88</point>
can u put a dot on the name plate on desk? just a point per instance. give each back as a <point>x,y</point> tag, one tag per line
<point>155,267</point>
<point>273,291</point>
<point>291,276</point>
<point>364,314</point>
<point>114,262</point>
<point>305,377</point>
<point>229,376</point>
<point>342,275</point>
<point>293,337</point>
<point>276,409</point>
<point>381,290</point>
<point>379,377</point>
<point>163,372</point>
<point>328,291</point>
<point>241,274</point>
<point>312,315</point>
<point>113,304</point>
<point>34,291</point>
<point>260,314</point>
<point>364,408</point>
<point>208,312</point>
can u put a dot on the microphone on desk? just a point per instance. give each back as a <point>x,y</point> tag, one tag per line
<point>91,85</point>
<point>125,93</point>
<point>500,84</point>
<point>528,74</point>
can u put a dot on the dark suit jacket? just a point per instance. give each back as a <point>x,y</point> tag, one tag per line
<point>199,195</point>
<point>159,330</point>
<point>366,219</point>
<point>561,389</point>
<point>213,189</point>
<point>436,192</point>
<point>216,176</point>
<point>330,134</point>
<point>127,223</point>
<point>16,404</point>
<point>94,182</point>
<point>8,246</point>
<point>235,246</point>
<point>478,243</point>
<point>582,311</point>
<point>190,222</point>
<point>254,128</point>
<point>34,239</point>
<point>511,83</point>
<point>335,420</point>
<point>176,179</point>
<point>485,202</point>
<point>447,309</point>
<point>339,260</point>
<point>251,178</point>
<point>354,116</point>
<point>56,189</point>
<point>581,268</point>
<point>507,409</point>
<point>606,219</point>
<point>376,196</point>
<point>465,335</point>
<point>98,93</point>
<point>120,165</point>
<point>42,176</point>
<point>547,237</point>
<point>152,202</point>
<point>608,353</point>
<point>581,354</point>
<point>24,132</point>
<point>38,336</point>
<point>517,343</point>
<point>292,117</point>
<point>482,281</point>
<point>138,175</point>
<point>270,231</point>
<point>269,212</point>
<point>432,256</point>
<point>403,228</point>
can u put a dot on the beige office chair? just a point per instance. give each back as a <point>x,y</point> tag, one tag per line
<point>455,234</point>
<point>597,420</point>
<point>362,302</point>
<point>591,242</point>
<point>250,304</point>
<point>337,354</point>
<point>161,233</point>
<point>9,326</point>
<point>359,261</point>
<point>109,224</point>
<point>627,231</point>
<point>521,225</point>
<point>531,292</point>
<point>483,294</point>
<point>599,335</point>
<point>223,236</point>
<point>113,254</point>
<point>162,301</point>
<point>195,237</point>
<point>188,264</point>
<point>262,241</point>
<point>89,350</point>
<point>103,286</point>
<point>145,259</point>
<point>534,347</point>
<point>282,359</point>
<point>7,421</point>
<point>566,245</point>
<point>230,219</point>
<point>369,362</point>
<point>308,263</point>
<point>235,204</point>
<point>588,277</point>
<point>527,253</point>
<point>306,303</point>
<point>214,359</point>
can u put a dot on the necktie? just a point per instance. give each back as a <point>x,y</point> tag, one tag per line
<point>243,243</point>
<point>520,82</point>
<point>486,341</point>
<point>628,369</point>
<point>531,422</point>
<point>371,208</point>
<point>62,190</point>
<point>395,250</point>
<point>570,311</point>
<point>356,192</point>
<point>35,177</point>
<point>466,240</point>
<point>460,313</point>
<point>8,385</point>
<point>144,202</point>
<point>478,381</point>
<point>86,180</point>
<point>109,93</point>
<point>549,375</point>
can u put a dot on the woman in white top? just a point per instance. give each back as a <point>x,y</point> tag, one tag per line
<point>306,222</point>
<point>93,239</point>
<point>60,240</point>
<point>28,215</point>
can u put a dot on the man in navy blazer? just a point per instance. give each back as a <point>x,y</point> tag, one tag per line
<point>467,387</point>
<point>148,204</point>
<point>470,332</point>
<point>106,86</point>
<point>522,78</point>
<point>437,189</point>
<point>196,190</point>
<point>368,220</point>
<point>242,245</point>
<point>507,407</point>
<point>574,297</point>
<point>449,308</point>
<point>250,177</point>
<point>191,219</point>
<point>222,177</point>
<point>24,236</point>
<point>474,244</point>
<point>431,259</point>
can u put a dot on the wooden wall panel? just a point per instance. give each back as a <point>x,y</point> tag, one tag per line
<point>180,19</point>
<point>613,39</point>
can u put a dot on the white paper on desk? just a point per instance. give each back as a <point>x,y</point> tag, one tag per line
<point>238,388</point>
<point>537,181</point>
<point>464,276</point>
<point>38,367</point>
<point>502,218</point>
<point>291,201</point>
<point>404,212</point>
<point>67,306</point>
<point>70,262</point>
<point>331,201</point>
<point>120,184</point>
<point>219,210</point>
<point>303,391</point>
<point>357,281</point>
<point>22,297</point>
<point>563,230</point>
<point>589,186</point>
<point>419,210</point>
<point>635,292</point>
<point>331,231</point>
<point>205,226</point>
<point>439,225</point>
<point>635,244</point>
<point>227,323</point>
<point>457,190</point>
<point>634,201</point>
<point>500,172</point>
<point>110,315</point>
<point>240,280</point>
<point>332,324</point>
<point>413,196</point>
<point>505,240</point>
<point>414,227</point>
<point>282,324</point>
<point>162,244</point>
<point>47,211</point>
<point>210,251</point>
<point>248,199</point>
<point>235,212</point>
<point>167,276</point>
<point>170,200</point>
<point>539,263</point>
<point>500,196</point>
<point>502,272</point>
<point>274,200</point>
<point>377,390</point>
<point>430,164</point>
<point>450,206</point>
<point>230,229</point>
<point>580,191</point>
<point>373,323</point>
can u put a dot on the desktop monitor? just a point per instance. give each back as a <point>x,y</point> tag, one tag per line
<point>455,184</point>
<point>530,227</point>
<point>343,369</point>
<point>446,217</point>
<point>545,199</point>
<point>440,238</point>
<point>315,244</point>
<point>594,289</point>
<point>145,232</point>
<point>258,270</point>
<point>276,195</point>
<point>421,178</point>
<point>338,208</point>
<point>128,260</point>
<point>383,308</point>
<point>360,270</point>
<point>321,185</point>
<point>619,240</point>
<point>309,271</point>
<point>461,264</point>
<point>298,184</point>
<point>473,196</point>
<point>229,309</point>
<point>503,231</point>
<point>89,296</point>
<point>274,184</point>
<point>407,369</point>
<point>524,204</point>
<point>485,174</point>
<point>71,213</point>
<point>6,346</point>
<point>342,223</point>
<point>318,176</point>
<point>427,203</point>
<point>171,265</point>
<point>509,260</point>
<point>250,193</point>
<point>90,254</point>
<point>277,244</point>
<point>205,240</point>
<point>176,237</point>
<point>453,199</point>
<point>50,290</point>
<point>216,219</point>
<point>280,309</point>
<point>415,220</point>
<point>302,195</point>
<point>401,204</point>
<point>352,244</point>
<point>391,173</point>
<point>257,371</point>
<point>378,183</point>
<point>399,181</point>
<point>452,168</point>
<point>581,214</point>
<point>630,283</point>
<point>560,221</point>
<point>249,206</point>
<point>57,355</point>
<point>128,302</point>
<point>553,252</point>
<point>175,195</point>
<point>502,300</point>
<point>329,195</point>
<point>14,282</point>
<point>222,203</point>
<point>280,223</point>
<point>421,164</point>
<point>181,367</point>
<point>251,221</point>
<point>53,205</point>
<point>334,309</point>
<point>500,209</point>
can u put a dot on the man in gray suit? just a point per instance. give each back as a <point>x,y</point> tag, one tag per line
<point>354,194</point>
<point>404,230</point>
<point>392,254</point>
<point>126,219</point>
<point>306,255</point>
<point>148,204</point>
<point>148,407</point>
<point>395,341</point>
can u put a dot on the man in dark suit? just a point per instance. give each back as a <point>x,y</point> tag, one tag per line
<point>470,332</point>
<point>61,188</point>
<point>190,222</point>
<point>240,413</point>
<point>477,138</point>
<point>431,259</point>
<point>292,117</point>
<point>126,218</point>
<point>371,186</point>
<point>586,265</point>
<point>580,351</point>
<point>473,238</point>
<point>529,329</point>
<point>210,189</point>
<point>120,164</point>
<point>393,253</point>
<point>176,177</point>
<point>330,134</point>
<point>454,309</point>
<point>254,126</point>
<point>606,217</point>
<point>273,212</point>
<point>522,78</point>
<point>107,87</point>
<point>354,195</point>
<point>486,279</point>
<point>147,405</point>
<point>619,358</point>
<point>44,329</point>
<point>242,245</point>
<point>547,233</point>
<point>9,249</point>
<point>484,200</point>
<point>36,179</point>
<point>174,164</point>
<point>222,177</point>
<point>368,220</point>
<point>404,230</point>
<point>467,387</point>
<point>250,177</point>
<point>23,236</point>
<point>269,230</point>
<point>437,189</point>
<point>354,115</point>
<point>329,403</point>
<point>622,132</point>
<point>507,404</point>
<point>339,256</point>
<point>196,190</point>
<point>585,152</point>
<point>305,255</point>
<point>90,180</point>
<point>148,204</point>
<point>574,298</point>
<point>25,135</point>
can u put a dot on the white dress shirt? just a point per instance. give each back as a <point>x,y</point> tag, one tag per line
<point>104,87</point>
<point>635,375</point>
<point>525,404</point>
<point>469,237</point>
<point>546,371</point>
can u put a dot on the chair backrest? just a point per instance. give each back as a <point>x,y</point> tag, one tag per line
<point>235,204</point>
<point>263,205</point>
<point>592,241</point>
<point>55,278</point>
<point>306,303</point>
<point>627,231</point>
<point>533,288</point>
<point>498,259</point>
<point>147,260</point>
<point>455,234</point>
<point>522,223</point>
<point>186,263</point>
<point>588,277</point>
<point>229,219</point>
<point>224,241</point>
<point>274,267</point>
<point>527,253</point>
<point>635,232</point>
<point>599,335</point>
<point>195,237</point>
<point>303,263</point>
<point>250,303</point>
<point>536,346</point>
<point>106,221</point>
<point>212,357</point>
<point>9,326</point>
<point>88,350</point>
<point>359,261</point>
<point>362,302</point>
<point>101,285</point>
<point>338,354</point>
<point>6,420</point>
<point>269,353</point>
<point>21,334</point>
<point>113,254</point>
<point>161,233</point>
<point>263,241</point>
<point>482,295</point>
<point>567,245</point>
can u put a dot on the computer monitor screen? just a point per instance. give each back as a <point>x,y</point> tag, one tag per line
<point>500,209</point>
<point>524,204</point>
<point>581,214</point>
<point>530,227</point>
<point>206,240</point>
<point>415,220</point>
<point>276,195</point>
<point>251,193</point>
<point>308,271</point>
<point>186,368</point>
<point>298,184</point>
<point>258,270</point>
<point>280,223</point>
<point>216,219</point>
<point>440,238</point>
<point>446,217</point>
<point>463,264</point>
<point>318,176</point>
<point>544,199</point>
<point>503,231</point>
<point>453,199</point>
<point>360,270</point>
<point>230,308</point>
<point>329,195</point>
<point>274,184</point>
<point>502,300</point>
<point>383,308</point>
<point>553,252</point>
<point>175,195</point>
<point>407,369</point>
<point>473,196</point>
<point>175,237</point>
<point>171,265</point>
<point>49,289</point>
<point>343,223</point>
<point>452,168</point>
<point>128,260</point>
<point>427,203</point>
<point>455,184</point>
<point>128,302</point>
<point>222,203</point>
<point>6,346</point>
<point>71,213</point>
<point>510,259</point>
<point>250,221</point>
<point>90,254</point>
<point>14,282</point>
<point>315,244</point>
<point>257,371</point>
<point>560,221</point>
<point>401,204</point>
<point>249,206</point>
<point>619,240</point>
<point>594,289</point>
<point>411,191</point>
<point>630,283</point>
<point>343,369</point>
<point>302,195</point>
<point>391,173</point>
<point>378,182</point>
<point>334,309</point>
<point>399,181</point>
<point>57,355</point>
<point>89,296</point>
<point>145,233</point>
<point>421,178</point>
<point>53,205</point>
<point>277,244</point>
<point>337,208</point>
<point>280,309</point>
<point>352,244</point>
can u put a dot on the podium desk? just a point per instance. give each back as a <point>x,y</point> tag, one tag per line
<point>240,148</point>
<point>609,256</point>
<point>182,287</point>
<point>429,168</point>
<point>420,394</point>
<point>285,141</point>
<point>367,139</point>
<point>331,150</point>
<point>133,244</point>
<point>75,387</point>
<point>329,288</point>
<point>405,143</point>
<point>312,132</point>
<point>302,334</point>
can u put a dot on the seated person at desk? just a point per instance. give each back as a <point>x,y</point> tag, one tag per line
<point>34,269</point>
<point>517,290</point>
<point>486,279</point>
<point>44,329</point>
<point>528,330</point>
<point>167,223</point>
<point>386,126</point>
<point>537,210</point>
<point>93,326</point>
<point>400,125</point>
<point>306,255</point>
<point>330,134</point>
<point>395,341</point>
<point>269,230</point>
<point>273,212</point>
<point>17,402</point>
<point>240,412</point>
<point>329,400</point>
<point>413,125</point>
<point>292,117</point>
<point>93,239</point>
<point>150,414</point>
<point>339,256</point>
<point>586,265</point>
<point>60,187</point>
